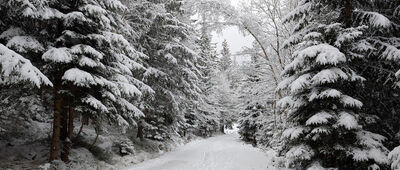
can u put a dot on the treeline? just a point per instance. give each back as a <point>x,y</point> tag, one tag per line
<point>129,64</point>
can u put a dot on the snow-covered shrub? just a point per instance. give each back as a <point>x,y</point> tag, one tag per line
<point>126,147</point>
<point>249,123</point>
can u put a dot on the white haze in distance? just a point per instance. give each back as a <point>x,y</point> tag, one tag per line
<point>235,39</point>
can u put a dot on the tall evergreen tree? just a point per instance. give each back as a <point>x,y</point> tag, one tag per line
<point>81,48</point>
<point>379,66</point>
<point>173,72</point>
<point>257,119</point>
<point>326,122</point>
<point>225,61</point>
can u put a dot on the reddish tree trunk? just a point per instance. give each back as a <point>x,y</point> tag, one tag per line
<point>67,141</point>
<point>55,140</point>
<point>71,122</point>
<point>140,130</point>
<point>64,124</point>
<point>348,10</point>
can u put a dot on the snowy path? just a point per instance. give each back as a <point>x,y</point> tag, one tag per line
<point>224,152</point>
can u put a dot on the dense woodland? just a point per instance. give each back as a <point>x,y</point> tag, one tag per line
<point>109,79</point>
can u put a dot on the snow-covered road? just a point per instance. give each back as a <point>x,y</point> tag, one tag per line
<point>224,152</point>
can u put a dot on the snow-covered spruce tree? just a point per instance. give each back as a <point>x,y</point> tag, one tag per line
<point>225,61</point>
<point>379,66</point>
<point>256,109</point>
<point>20,46</point>
<point>209,67</point>
<point>82,51</point>
<point>24,35</point>
<point>381,69</point>
<point>101,65</point>
<point>326,130</point>
<point>249,123</point>
<point>172,72</point>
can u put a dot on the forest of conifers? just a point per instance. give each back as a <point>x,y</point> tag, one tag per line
<point>96,84</point>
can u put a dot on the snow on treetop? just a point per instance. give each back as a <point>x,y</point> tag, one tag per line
<point>376,19</point>
<point>312,35</point>
<point>324,54</point>
<point>327,93</point>
<point>129,89</point>
<point>359,155</point>
<point>16,69</point>
<point>86,49</point>
<point>285,83</point>
<point>292,102</point>
<point>363,45</point>
<point>347,121</point>
<point>72,17</point>
<point>39,10</point>
<point>348,35</point>
<point>25,44</point>
<point>375,149</point>
<point>96,104</point>
<point>330,75</point>
<point>321,117</point>
<point>370,139</point>
<point>85,79</point>
<point>11,32</point>
<point>133,110</point>
<point>58,55</point>
<point>93,9</point>
<point>323,129</point>
<point>348,101</point>
<point>300,83</point>
<point>115,4</point>
<point>301,9</point>
<point>48,13</point>
<point>171,59</point>
<point>293,133</point>
<point>153,72</point>
<point>391,52</point>
<point>88,62</point>
<point>79,77</point>
<point>378,156</point>
<point>300,152</point>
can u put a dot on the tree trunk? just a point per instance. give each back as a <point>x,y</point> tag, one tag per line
<point>80,131</point>
<point>55,141</point>
<point>94,142</point>
<point>63,132</point>
<point>222,128</point>
<point>85,119</point>
<point>254,141</point>
<point>140,130</point>
<point>348,10</point>
<point>67,141</point>
<point>64,123</point>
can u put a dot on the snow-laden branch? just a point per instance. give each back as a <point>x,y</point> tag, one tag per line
<point>14,69</point>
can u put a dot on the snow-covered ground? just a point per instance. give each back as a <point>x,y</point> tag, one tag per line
<point>225,152</point>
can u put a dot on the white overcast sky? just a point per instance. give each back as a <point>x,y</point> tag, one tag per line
<point>235,39</point>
